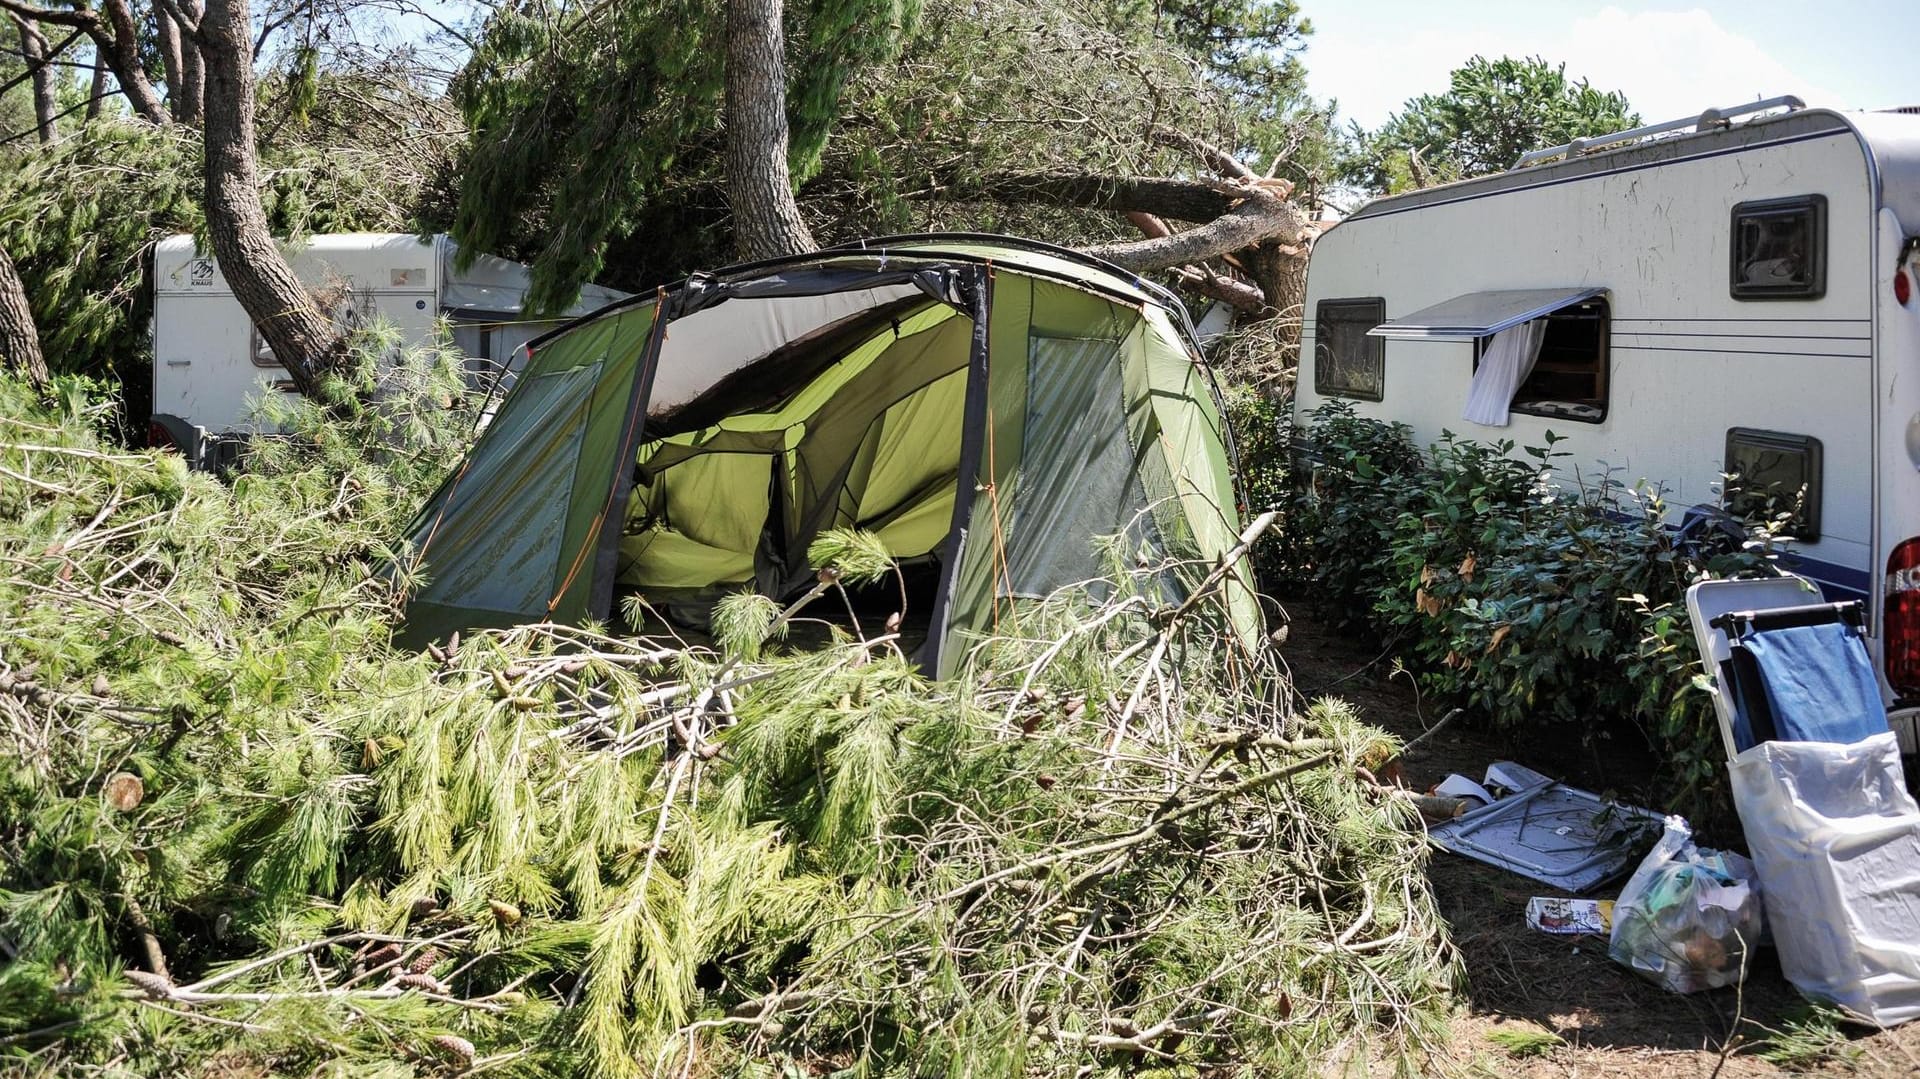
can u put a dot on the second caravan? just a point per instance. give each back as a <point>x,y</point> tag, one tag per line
<point>1733,292</point>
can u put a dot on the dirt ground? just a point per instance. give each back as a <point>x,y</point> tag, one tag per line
<point>1521,980</point>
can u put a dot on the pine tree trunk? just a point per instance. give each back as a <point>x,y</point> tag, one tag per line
<point>191,94</point>
<point>122,47</point>
<point>46,108</point>
<point>304,341</point>
<point>1281,271</point>
<point>19,340</point>
<point>766,219</point>
<point>97,92</point>
<point>167,37</point>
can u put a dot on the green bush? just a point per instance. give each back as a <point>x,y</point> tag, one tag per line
<point>1440,521</point>
<point>1519,599</point>
<point>1258,422</point>
<point>1345,488</point>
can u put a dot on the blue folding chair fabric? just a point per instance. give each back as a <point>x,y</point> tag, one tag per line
<point>1819,682</point>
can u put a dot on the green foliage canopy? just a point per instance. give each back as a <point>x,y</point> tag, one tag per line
<point>895,108</point>
<point>584,118</point>
<point>78,218</point>
<point>1252,50</point>
<point>1492,112</point>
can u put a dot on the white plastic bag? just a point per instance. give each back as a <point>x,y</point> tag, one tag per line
<point>1836,839</point>
<point>1687,918</point>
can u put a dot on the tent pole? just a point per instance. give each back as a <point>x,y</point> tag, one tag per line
<point>607,553</point>
<point>967,477</point>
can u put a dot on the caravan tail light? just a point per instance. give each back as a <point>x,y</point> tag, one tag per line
<point>159,438</point>
<point>1903,619</point>
<point>1902,285</point>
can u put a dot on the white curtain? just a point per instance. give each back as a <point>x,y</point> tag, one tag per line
<point>1506,362</point>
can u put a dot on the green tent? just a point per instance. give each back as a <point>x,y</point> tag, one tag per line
<point>988,407</point>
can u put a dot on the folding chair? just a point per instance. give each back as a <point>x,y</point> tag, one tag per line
<point>1835,835</point>
<point>1787,666</point>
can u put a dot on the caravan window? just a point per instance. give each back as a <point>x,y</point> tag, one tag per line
<point>1347,362</point>
<point>259,350</point>
<point>1770,473</point>
<point>1569,380</point>
<point>1780,249</point>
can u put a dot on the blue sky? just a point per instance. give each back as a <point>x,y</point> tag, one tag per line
<point>1670,59</point>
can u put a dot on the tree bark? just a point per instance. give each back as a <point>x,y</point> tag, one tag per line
<point>33,50</point>
<point>193,83</point>
<point>303,340</point>
<point>1231,215</point>
<point>1242,297</point>
<point>1281,270</point>
<point>186,81</point>
<point>1260,217</point>
<point>123,51</point>
<point>167,38</point>
<point>97,92</point>
<point>19,340</point>
<point>766,218</point>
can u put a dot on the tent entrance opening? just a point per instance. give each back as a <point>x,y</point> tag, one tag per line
<point>857,426</point>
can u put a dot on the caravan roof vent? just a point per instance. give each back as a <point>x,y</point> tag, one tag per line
<point>1711,118</point>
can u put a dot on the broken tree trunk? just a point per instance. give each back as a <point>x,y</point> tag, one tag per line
<point>1166,197</point>
<point>1235,215</point>
<point>1258,213</point>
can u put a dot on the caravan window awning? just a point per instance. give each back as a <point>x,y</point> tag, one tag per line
<point>1478,314</point>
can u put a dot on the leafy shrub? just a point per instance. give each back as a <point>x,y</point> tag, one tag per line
<point>1519,599</point>
<point>1346,485</point>
<point>1258,422</point>
<point>1441,520</point>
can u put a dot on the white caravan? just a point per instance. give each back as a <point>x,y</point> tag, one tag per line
<point>1678,301</point>
<point>209,362</point>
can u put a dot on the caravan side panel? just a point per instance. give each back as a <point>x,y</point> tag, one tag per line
<point>1688,362</point>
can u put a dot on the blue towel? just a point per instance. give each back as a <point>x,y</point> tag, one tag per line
<point>1819,682</point>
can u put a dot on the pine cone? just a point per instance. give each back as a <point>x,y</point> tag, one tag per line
<point>426,983</point>
<point>381,956</point>
<point>428,958</point>
<point>153,985</point>
<point>422,907</point>
<point>455,1048</point>
<point>505,913</point>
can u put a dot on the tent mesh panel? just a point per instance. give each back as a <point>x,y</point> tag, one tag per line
<point>1078,480</point>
